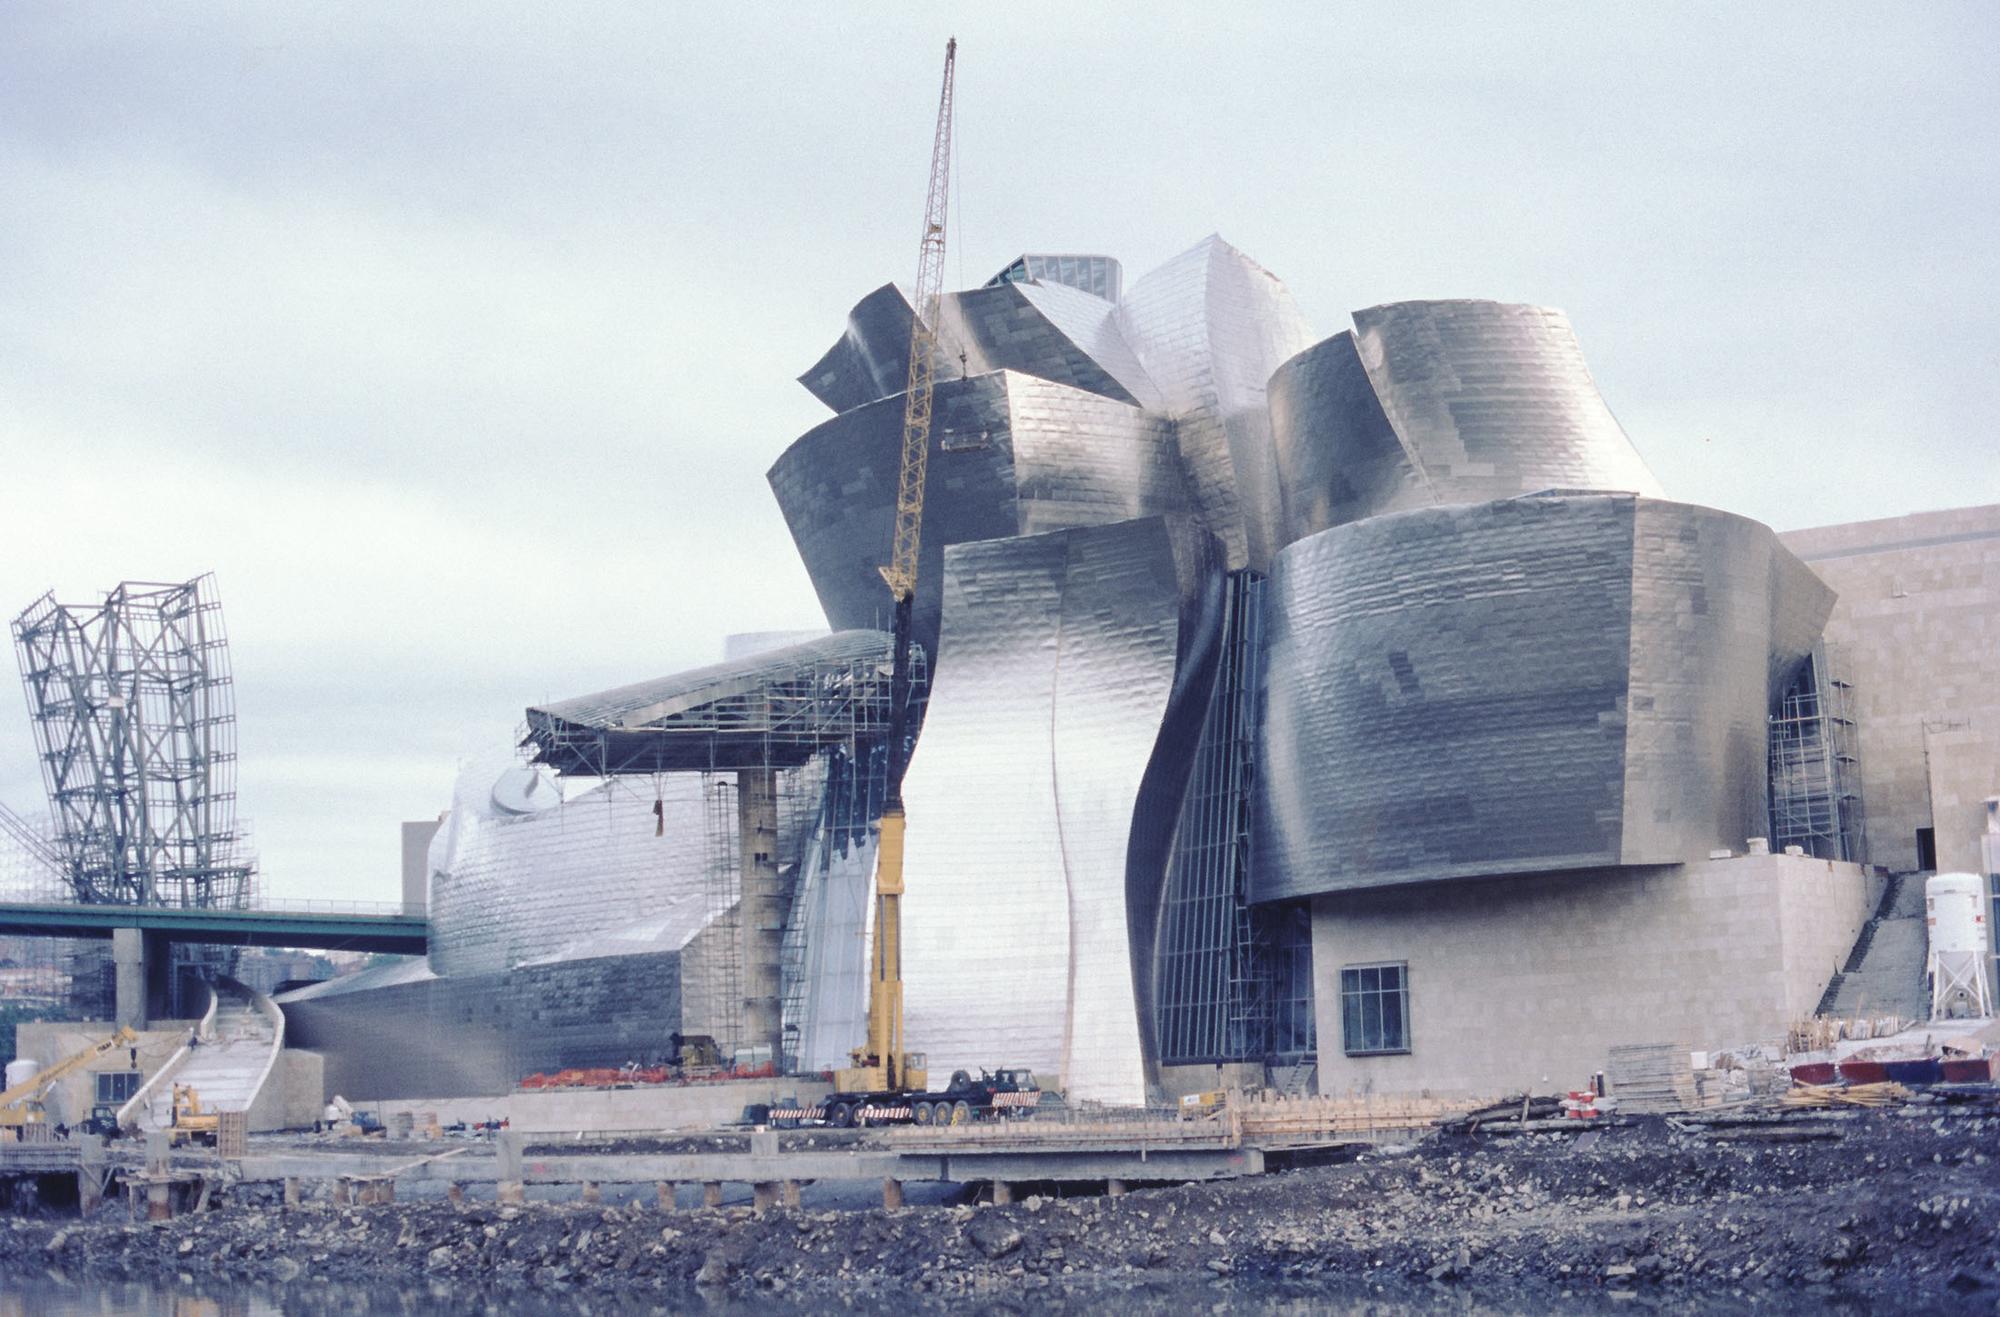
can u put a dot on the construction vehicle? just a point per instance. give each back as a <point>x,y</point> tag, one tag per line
<point>1006,1093</point>
<point>103,1121</point>
<point>696,1051</point>
<point>190,1123</point>
<point>341,1117</point>
<point>22,1104</point>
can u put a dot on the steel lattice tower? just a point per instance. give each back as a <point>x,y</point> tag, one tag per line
<point>135,726</point>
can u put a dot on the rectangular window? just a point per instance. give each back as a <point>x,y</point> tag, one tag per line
<point>116,1087</point>
<point>1375,1009</point>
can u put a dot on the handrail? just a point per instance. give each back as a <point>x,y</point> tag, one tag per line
<point>275,906</point>
<point>128,1115</point>
<point>277,1018</point>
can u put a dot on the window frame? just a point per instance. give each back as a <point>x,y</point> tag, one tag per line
<point>1360,997</point>
<point>97,1088</point>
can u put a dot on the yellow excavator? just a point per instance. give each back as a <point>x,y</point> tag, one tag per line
<point>22,1104</point>
<point>884,1077</point>
<point>190,1123</point>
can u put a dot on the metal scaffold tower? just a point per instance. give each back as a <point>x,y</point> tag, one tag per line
<point>135,727</point>
<point>1814,804</point>
<point>136,730</point>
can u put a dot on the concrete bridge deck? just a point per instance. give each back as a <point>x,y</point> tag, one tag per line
<point>397,933</point>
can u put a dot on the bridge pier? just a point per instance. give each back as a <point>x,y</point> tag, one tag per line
<point>142,964</point>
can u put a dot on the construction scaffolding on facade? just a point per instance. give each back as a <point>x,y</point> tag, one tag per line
<point>1814,800</point>
<point>787,744</point>
<point>135,726</point>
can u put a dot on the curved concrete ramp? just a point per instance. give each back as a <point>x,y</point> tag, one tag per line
<point>234,1058</point>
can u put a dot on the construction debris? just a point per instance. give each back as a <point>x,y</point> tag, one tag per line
<point>1820,1033</point>
<point>1834,1095</point>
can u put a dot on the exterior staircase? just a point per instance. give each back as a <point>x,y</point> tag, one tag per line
<point>1884,974</point>
<point>239,1044</point>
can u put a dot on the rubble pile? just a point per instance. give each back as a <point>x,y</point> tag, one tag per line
<point>1898,1207</point>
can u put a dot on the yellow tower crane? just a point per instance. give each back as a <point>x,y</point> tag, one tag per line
<point>880,1065</point>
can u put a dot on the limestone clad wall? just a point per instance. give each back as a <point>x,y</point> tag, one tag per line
<point>1529,981</point>
<point>1916,630</point>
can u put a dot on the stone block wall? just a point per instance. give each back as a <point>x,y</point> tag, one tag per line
<point>1916,629</point>
<point>1527,982</point>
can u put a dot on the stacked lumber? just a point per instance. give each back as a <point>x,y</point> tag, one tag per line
<point>1652,1078</point>
<point>1856,1095</point>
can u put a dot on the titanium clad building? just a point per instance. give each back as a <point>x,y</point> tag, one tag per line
<point>1353,712</point>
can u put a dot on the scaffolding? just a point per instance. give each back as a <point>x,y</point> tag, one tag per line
<point>1813,768</point>
<point>721,969</point>
<point>777,738</point>
<point>825,968</point>
<point>135,726</point>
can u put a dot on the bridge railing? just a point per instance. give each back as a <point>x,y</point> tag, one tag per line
<point>273,906</point>
<point>285,905</point>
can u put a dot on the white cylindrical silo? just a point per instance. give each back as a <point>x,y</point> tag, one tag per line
<point>1955,919</point>
<point>21,1070</point>
<point>1953,913</point>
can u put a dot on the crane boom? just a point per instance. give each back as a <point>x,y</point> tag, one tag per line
<point>21,1104</point>
<point>901,573</point>
<point>880,1064</point>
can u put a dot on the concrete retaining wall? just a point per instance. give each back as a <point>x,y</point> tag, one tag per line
<point>698,1106</point>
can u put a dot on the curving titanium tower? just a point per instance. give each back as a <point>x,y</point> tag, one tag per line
<point>1527,685</point>
<point>1055,331</point>
<point>1060,726</point>
<point>1431,403</point>
<point>1010,455</point>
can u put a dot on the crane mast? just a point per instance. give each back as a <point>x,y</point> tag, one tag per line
<point>880,1064</point>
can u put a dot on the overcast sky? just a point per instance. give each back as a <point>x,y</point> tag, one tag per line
<point>456,340</point>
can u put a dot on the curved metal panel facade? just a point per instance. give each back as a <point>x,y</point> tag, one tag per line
<point>1010,455</point>
<point>1209,327</point>
<point>1525,685</point>
<point>596,875</point>
<point>1338,458</point>
<point>507,888</point>
<point>1430,403</point>
<point>1070,656</point>
<point>1001,328</point>
<point>1092,325</point>
<point>871,360</point>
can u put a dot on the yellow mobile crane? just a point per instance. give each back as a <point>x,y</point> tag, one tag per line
<point>886,1083</point>
<point>22,1104</point>
<point>881,1068</point>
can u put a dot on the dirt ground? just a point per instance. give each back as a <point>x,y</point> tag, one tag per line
<point>1862,1212</point>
